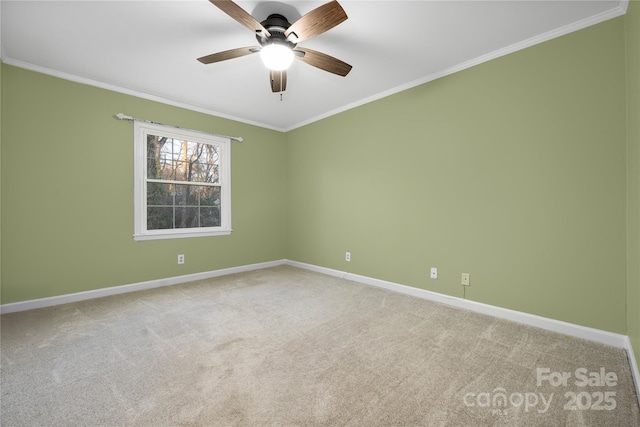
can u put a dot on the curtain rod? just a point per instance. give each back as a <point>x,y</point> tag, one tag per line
<point>123,116</point>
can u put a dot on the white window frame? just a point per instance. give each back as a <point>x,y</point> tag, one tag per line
<point>141,130</point>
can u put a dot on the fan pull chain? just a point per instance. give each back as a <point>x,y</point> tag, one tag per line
<point>280,96</point>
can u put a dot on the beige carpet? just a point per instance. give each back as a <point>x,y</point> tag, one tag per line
<point>285,347</point>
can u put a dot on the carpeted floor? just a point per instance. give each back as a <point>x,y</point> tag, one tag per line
<point>289,347</point>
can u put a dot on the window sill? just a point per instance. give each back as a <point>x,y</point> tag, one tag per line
<point>163,236</point>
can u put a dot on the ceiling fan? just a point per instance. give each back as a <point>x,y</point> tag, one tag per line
<point>278,40</point>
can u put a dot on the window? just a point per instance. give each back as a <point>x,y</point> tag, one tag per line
<point>182,183</point>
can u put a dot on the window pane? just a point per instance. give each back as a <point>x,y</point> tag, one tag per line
<point>209,216</point>
<point>159,218</point>
<point>210,196</point>
<point>187,195</point>
<point>159,194</point>
<point>187,217</point>
<point>180,194</point>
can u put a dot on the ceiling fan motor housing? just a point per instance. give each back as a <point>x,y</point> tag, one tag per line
<point>277,25</point>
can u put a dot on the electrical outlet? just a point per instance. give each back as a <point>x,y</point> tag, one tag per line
<point>434,273</point>
<point>181,259</point>
<point>347,256</point>
<point>465,279</point>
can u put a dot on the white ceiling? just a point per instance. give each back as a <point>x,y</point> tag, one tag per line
<point>149,48</point>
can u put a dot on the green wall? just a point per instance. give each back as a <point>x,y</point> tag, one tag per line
<point>67,199</point>
<point>513,171</point>
<point>632,26</point>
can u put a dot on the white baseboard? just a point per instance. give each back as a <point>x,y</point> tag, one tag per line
<point>115,290</point>
<point>635,373</point>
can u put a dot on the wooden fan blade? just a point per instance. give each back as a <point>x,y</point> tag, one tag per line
<point>278,80</point>
<point>316,22</point>
<point>228,54</point>
<point>323,61</point>
<point>240,15</point>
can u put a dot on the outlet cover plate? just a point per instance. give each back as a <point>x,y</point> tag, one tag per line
<point>465,279</point>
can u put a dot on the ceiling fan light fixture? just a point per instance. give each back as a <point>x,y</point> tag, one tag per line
<point>276,56</point>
